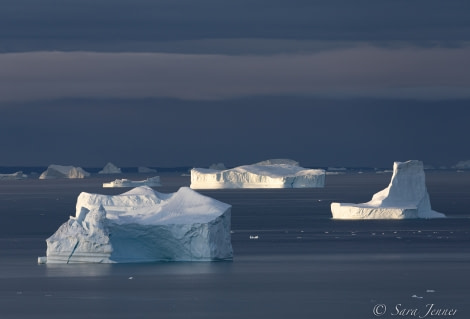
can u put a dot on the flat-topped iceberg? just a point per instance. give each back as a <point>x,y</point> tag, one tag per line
<point>405,197</point>
<point>151,182</point>
<point>110,168</point>
<point>61,171</point>
<point>13,176</point>
<point>266,174</point>
<point>143,225</point>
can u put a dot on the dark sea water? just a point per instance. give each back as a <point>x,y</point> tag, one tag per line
<point>291,260</point>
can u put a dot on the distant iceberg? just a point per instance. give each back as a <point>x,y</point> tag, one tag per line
<point>267,174</point>
<point>276,161</point>
<point>60,171</point>
<point>13,176</point>
<point>151,182</point>
<point>110,168</point>
<point>143,225</point>
<point>218,166</point>
<point>405,197</point>
<point>146,170</point>
<point>462,165</point>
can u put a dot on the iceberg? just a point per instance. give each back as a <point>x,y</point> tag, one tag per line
<point>13,176</point>
<point>405,197</point>
<point>151,182</point>
<point>144,170</point>
<point>462,165</point>
<point>267,174</point>
<point>143,225</point>
<point>276,161</point>
<point>218,166</point>
<point>60,171</point>
<point>110,168</point>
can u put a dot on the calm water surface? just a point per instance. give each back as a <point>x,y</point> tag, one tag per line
<point>291,260</point>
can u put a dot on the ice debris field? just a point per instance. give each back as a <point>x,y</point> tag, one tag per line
<point>405,197</point>
<point>143,225</point>
<point>268,174</point>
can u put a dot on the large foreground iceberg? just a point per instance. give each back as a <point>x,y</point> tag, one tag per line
<point>151,181</point>
<point>60,171</point>
<point>405,197</point>
<point>110,168</point>
<point>143,225</point>
<point>267,174</point>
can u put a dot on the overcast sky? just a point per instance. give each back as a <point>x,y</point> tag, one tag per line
<point>176,83</point>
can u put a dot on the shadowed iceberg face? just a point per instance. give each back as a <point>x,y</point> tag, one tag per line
<point>143,226</point>
<point>405,197</point>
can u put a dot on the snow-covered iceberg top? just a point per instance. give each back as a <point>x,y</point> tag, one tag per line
<point>143,225</point>
<point>110,168</point>
<point>151,181</point>
<point>258,176</point>
<point>61,171</point>
<point>13,176</point>
<point>405,197</point>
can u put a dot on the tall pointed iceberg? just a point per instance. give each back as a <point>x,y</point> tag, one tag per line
<point>405,197</point>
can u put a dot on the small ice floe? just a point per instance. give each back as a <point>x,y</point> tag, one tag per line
<point>416,296</point>
<point>299,237</point>
<point>430,290</point>
<point>130,278</point>
<point>254,237</point>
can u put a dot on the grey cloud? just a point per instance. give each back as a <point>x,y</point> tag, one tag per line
<point>351,72</point>
<point>147,25</point>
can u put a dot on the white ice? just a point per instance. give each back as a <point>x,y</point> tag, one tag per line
<point>151,182</point>
<point>110,168</point>
<point>143,225</point>
<point>60,171</point>
<point>13,176</point>
<point>405,197</point>
<point>267,174</point>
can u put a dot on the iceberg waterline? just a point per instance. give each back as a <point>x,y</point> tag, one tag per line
<point>143,225</point>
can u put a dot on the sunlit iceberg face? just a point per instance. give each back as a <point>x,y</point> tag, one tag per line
<point>405,197</point>
<point>266,174</point>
